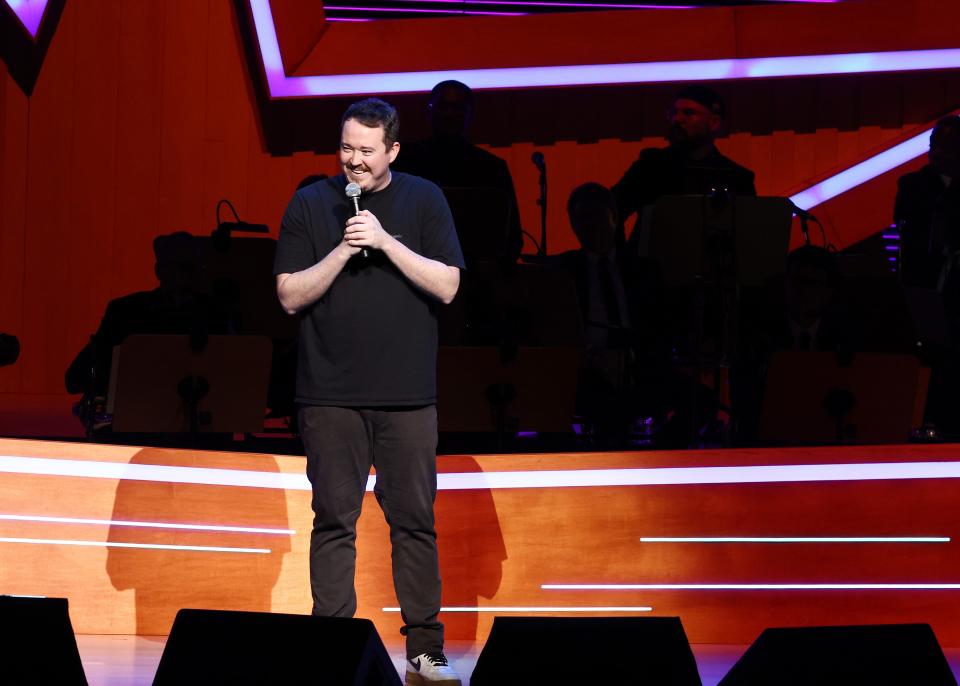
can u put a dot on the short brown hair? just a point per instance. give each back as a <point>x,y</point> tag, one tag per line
<point>374,112</point>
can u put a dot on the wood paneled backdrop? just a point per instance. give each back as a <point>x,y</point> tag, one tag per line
<point>144,116</point>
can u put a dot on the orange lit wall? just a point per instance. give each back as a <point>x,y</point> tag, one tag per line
<point>144,116</point>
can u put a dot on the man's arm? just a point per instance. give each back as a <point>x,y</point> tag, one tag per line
<point>301,289</point>
<point>434,278</point>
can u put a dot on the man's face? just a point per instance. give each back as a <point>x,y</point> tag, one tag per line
<point>364,155</point>
<point>450,113</point>
<point>691,124</point>
<point>595,228</point>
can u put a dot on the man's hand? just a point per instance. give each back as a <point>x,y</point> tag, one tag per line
<point>364,231</point>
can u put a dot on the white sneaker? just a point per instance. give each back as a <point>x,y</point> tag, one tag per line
<point>430,669</point>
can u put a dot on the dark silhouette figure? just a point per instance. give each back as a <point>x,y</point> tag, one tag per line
<point>815,310</point>
<point>927,208</point>
<point>626,369</point>
<point>605,388</point>
<point>478,184</point>
<point>9,349</point>
<point>177,306</point>
<point>690,164</point>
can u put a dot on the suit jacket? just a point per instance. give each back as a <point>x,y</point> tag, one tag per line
<point>921,250</point>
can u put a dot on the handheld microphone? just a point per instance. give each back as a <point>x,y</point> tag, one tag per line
<point>353,192</point>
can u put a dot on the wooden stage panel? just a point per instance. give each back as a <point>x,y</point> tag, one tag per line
<point>506,527</point>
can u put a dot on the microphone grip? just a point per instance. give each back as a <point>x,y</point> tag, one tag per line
<point>356,211</point>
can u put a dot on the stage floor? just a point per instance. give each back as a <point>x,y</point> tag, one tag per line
<point>132,660</point>
<point>731,542</point>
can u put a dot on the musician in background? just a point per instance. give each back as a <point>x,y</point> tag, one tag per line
<point>451,161</point>
<point>690,164</point>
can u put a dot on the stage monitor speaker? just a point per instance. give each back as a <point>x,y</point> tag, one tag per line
<point>563,651</point>
<point>877,655</point>
<point>38,645</point>
<point>220,647</point>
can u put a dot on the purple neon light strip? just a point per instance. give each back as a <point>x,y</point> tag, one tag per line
<point>579,5</point>
<point>412,10</point>
<point>576,5</point>
<point>525,3</point>
<point>669,476</point>
<point>30,13</point>
<point>864,171</point>
<point>752,587</point>
<point>505,5</point>
<point>283,86</point>
<point>537,608</point>
<point>778,540</point>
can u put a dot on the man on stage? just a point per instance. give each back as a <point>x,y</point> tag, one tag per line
<point>367,285</point>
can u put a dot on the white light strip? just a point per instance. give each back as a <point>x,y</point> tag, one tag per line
<point>149,472</point>
<point>145,546</point>
<point>146,525</point>
<point>797,539</point>
<point>664,476</point>
<point>568,478</point>
<point>533,608</point>
<point>860,173</point>
<point>750,587</point>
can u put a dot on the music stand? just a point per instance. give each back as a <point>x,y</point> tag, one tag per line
<point>239,270</point>
<point>810,398</point>
<point>158,384</point>
<point>524,304</point>
<point>709,247</point>
<point>483,390</point>
<point>681,231</point>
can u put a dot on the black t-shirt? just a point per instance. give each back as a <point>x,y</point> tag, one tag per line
<point>371,340</point>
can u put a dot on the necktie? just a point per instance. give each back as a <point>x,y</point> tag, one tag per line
<point>609,293</point>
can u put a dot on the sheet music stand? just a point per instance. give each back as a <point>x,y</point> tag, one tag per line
<point>241,270</point>
<point>525,304</point>
<point>481,390</point>
<point>150,374</point>
<point>680,231</point>
<point>883,389</point>
<point>709,247</point>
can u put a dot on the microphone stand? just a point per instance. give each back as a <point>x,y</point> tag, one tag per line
<point>540,162</point>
